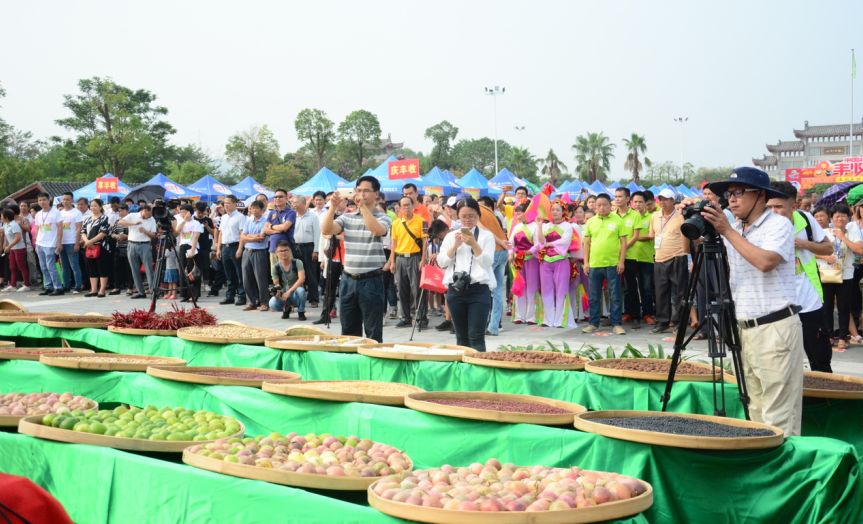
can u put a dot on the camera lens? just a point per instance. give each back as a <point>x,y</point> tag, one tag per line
<point>693,227</point>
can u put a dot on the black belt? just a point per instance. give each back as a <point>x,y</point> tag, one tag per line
<point>255,250</point>
<point>139,241</point>
<point>770,317</point>
<point>305,243</point>
<point>407,255</point>
<point>231,244</point>
<point>363,276</point>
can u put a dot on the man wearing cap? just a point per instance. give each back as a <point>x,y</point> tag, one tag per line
<point>671,265</point>
<point>761,262</point>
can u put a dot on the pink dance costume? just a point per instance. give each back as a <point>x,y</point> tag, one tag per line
<point>554,272</point>
<point>525,310</point>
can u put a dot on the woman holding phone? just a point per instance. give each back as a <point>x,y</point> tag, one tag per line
<point>467,254</point>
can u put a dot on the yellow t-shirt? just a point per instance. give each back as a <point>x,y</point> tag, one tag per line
<point>402,241</point>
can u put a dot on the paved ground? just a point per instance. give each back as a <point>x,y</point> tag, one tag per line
<point>849,362</point>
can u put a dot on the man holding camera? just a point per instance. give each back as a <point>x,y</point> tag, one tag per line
<point>288,275</point>
<point>142,231</point>
<point>761,261</point>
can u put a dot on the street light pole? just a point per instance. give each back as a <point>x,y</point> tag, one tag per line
<point>494,92</point>
<point>681,120</point>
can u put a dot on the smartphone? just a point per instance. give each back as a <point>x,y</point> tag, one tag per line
<point>466,231</point>
<point>345,192</point>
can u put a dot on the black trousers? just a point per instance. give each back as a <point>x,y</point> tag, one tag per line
<point>670,279</point>
<point>194,288</point>
<point>306,251</point>
<point>122,271</point>
<point>841,295</point>
<point>336,272</point>
<point>816,341</point>
<point>469,311</point>
<point>362,307</point>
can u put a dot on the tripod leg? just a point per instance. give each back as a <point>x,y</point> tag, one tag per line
<point>417,312</point>
<point>159,274</point>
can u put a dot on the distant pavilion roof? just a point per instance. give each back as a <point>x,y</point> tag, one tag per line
<point>766,161</point>
<point>785,146</point>
<point>827,131</point>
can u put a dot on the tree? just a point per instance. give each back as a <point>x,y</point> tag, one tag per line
<point>316,129</point>
<point>284,176</point>
<point>189,163</point>
<point>671,173</point>
<point>442,134</point>
<point>359,134</point>
<point>478,153</point>
<point>121,129</point>
<point>593,152</point>
<point>635,146</point>
<point>253,151</point>
<point>552,168</point>
<point>521,162</point>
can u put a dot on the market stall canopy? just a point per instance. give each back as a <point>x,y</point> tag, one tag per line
<point>324,180</point>
<point>392,189</point>
<point>90,191</point>
<point>633,187</point>
<point>250,187</point>
<point>436,183</point>
<point>210,188</point>
<point>571,188</point>
<point>596,188</point>
<point>505,177</point>
<point>476,185</point>
<point>613,185</point>
<point>162,187</point>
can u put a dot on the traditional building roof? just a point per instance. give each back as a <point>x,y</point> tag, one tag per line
<point>827,131</point>
<point>785,146</point>
<point>28,193</point>
<point>766,161</point>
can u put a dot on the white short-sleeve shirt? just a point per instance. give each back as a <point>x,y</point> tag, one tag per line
<point>68,219</point>
<point>807,297</point>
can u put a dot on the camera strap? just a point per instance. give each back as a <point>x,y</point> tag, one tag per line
<point>455,258</point>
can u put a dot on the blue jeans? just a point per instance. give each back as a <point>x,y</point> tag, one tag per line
<point>71,267</point>
<point>298,300</point>
<point>498,295</point>
<point>47,263</point>
<point>362,306</point>
<point>596,276</point>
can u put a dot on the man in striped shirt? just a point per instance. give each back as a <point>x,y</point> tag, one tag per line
<point>361,290</point>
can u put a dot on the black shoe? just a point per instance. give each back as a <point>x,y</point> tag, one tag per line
<point>320,321</point>
<point>661,327</point>
<point>313,305</point>
<point>46,292</point>
<point>301,316</point>
<point>240,302</point>
<point>636,324</point>
<point>404,324</point>
<point>212,293</point>
<point>57,293</point>
<point>446,325</point>
<point>138,295</point>
<point>423,324</point>
<point>286,314</point>
<point>227,301</point>
<point>115,292</point>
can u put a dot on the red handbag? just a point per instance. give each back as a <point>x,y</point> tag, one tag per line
<point>93,252</point>
<point>431,279</point>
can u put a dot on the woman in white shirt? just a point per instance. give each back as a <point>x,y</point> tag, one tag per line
<point>847,242</point>
<point>189,230</point>
<point>467,254</point>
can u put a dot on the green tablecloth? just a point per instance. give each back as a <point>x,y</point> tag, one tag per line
<point>836,419</point>
<point>806,479</point>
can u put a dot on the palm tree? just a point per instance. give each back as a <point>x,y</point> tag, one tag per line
<point>552,168</point>
<point>520,161</point>
<point>593,152</point>
<point>635,145</point>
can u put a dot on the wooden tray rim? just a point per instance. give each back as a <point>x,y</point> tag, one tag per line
<point>30,317</point>
<point>833,393</point>
<point>583,423</point>
<point>283,341</point>
<point>416,401</point>
<point>6,355</point>
<point>593,367</point>
<point>370,351</point>
<point>187,374</point>
<point>224,340</point>
<point>70,362</point>
<point>55,321</point>
<point>295,389</point>
<point>32,426</point>
<point>16,306</point>
<point>577,364</point>
<point>142,332</point>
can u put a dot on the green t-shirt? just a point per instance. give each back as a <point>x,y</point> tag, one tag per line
<point>287,277</point>
<point>642,251</point>
<point>604,233</point>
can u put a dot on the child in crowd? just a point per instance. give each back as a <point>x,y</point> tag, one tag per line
<point>172,274</point>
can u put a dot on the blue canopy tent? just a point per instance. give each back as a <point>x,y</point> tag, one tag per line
<point>250,187</point>
<point>596,188</point>
<point>210,188</point>
<point>447,175</point>
<point>613,185</point>
<point>570,187</point>
<point>392,189</point>
<point>324,180</point>
<point>162,187</point>
<point>503,178</point>
<point>436,182</point>
<point>90,191</point>
<point>476,185</point>
<point>633,187</point>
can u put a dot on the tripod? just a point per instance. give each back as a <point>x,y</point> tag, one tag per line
<point>719,319</point>
<point>330,289</point>
<point>167,242</point>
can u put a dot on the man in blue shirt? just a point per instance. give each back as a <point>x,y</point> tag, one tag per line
<point>256,263</point>
<point>280,224</point>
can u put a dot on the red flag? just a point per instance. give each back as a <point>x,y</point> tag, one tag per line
<point>540,207</point>
<point>548,189</point>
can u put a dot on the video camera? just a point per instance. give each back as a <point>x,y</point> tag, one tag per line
<point>694,226</point>
<point>161,216</point>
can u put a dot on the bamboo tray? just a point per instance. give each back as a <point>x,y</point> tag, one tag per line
<point>32,426</point>
<point>22,316</point>
<point>11,421</point>
<point>372,350</point>
<point>73,362</point>
<point>143,332</point>
<point>276,476</point>
<point>576,365</point>
<point>593,366</point>
<point>191,375</point>
<point>313,343</point>
<point>304,331</point>
<point>85,321</point>
<point>603,512</point>
<point>215,339</point>
<point>583,422</point>
<point>296,389</point>
<point>6,344</point>
<point>16,355</point>
<point>419,402</point>
<point>833,393</point>
<point>7,304</point>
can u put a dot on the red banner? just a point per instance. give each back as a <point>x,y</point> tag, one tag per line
<point>409,168</point>
<point>107,184</point>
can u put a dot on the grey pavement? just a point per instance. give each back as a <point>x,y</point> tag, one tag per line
<point>850,362</point>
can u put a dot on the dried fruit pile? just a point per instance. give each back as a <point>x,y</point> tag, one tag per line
<point>20,404</point>
<point>419,350</point>
<point>496,487</point>
<point>684,426</point>
<point>170,321</point>
<point>532,357</point>
<point>230,331</point>
<point>313,454</point>
<point>360,387</point>
<point>119,359</point>
<point>652,366</point>
<point>829,384</point>
<point>510,406</point>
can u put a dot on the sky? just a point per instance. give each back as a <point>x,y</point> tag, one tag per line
<point>744,73</point>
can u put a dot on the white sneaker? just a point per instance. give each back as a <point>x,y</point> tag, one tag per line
<point>75,291</point>
<point>8,289</point>
<point>23,289</point>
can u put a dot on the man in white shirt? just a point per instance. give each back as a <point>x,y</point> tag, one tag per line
<point>227,242</point>
<point>71,220</point>
<point>142,231</point>
<point>319,202</point>
<point>307,231</point>
<point>809,240</point>
<point>761,261</point>
<point>49,244</point>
